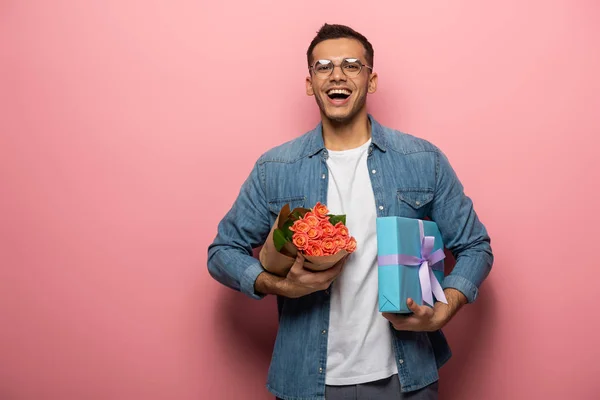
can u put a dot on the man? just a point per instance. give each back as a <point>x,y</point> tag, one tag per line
<point>332,341</point>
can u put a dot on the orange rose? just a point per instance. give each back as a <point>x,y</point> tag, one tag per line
<point>315,233</point>
<point>320,210</point>
<point>340,241</point>
<point>329,246</point>
<point>342,229</point>
<point>300,240</point>
<point>311,219</point>
<point>351,245</point>
<point>314,248</point>
<point>300,226</point>
<point>328,229</point>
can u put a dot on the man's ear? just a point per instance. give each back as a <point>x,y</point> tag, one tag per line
<point>309,88</point>
<point>373,83</point>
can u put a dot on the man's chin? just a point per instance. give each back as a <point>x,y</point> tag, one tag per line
<point>339,117</point>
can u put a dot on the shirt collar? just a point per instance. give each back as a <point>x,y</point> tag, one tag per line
<point>316,143</point>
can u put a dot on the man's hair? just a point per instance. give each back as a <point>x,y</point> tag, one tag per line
<point>335,31</point>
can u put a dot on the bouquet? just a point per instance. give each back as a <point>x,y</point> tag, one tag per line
<point>322,238</point>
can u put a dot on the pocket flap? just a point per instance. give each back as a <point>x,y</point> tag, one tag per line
<point>416,198</point>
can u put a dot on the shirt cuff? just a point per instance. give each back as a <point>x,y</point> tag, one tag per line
<point>249,278</point>
<point>462,285</point>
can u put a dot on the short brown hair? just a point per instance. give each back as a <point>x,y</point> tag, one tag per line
<point>335,31</point>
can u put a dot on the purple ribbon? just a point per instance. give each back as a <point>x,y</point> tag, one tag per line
<point>429,283</point>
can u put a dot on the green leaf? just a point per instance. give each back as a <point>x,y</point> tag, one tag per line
<point>279,239</point>
<point>287,233</point>
<point>296,215</point>
<point>334,219</point>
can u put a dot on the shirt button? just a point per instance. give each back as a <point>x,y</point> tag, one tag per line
<point>417,202</point>
<point>374,171</point>
<point>323,176</point>
<point>323,332</point>
<point>381,207</point>
<point>320,370</point>
<point>401,361</point>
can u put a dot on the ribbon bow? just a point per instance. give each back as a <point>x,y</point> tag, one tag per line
<point>429,283</point>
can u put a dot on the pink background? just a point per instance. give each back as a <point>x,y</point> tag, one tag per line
<point>121,121</point>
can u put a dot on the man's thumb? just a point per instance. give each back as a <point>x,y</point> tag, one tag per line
<point>299,259</point>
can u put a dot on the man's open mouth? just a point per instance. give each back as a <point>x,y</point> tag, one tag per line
<point>339,94</point>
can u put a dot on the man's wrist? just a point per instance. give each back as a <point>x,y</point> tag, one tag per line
<point>267,283</point>
<point>456,300</point>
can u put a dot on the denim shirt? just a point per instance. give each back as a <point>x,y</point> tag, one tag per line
<point>410,178</point>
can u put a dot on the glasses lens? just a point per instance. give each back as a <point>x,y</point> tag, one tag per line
<point>351,67</point>
<point>323,67</point>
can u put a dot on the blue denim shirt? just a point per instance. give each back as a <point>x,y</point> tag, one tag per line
<point>410,178</point>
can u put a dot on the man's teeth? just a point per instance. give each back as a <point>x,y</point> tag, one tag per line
<point>339,91</point>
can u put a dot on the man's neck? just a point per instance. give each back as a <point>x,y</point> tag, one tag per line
<point>348,135</point>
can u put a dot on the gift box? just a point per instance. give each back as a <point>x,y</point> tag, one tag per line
<point>410,258</point>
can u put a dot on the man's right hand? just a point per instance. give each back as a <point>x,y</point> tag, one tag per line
<point>299,280</point>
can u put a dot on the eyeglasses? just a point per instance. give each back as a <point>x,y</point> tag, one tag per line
<point>351,67</point>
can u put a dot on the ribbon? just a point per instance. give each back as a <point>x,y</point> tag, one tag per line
<point>429,283</point>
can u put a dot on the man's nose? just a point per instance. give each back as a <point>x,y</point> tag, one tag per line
<point>337,74</point>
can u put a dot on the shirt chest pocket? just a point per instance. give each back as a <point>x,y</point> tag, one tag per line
<point>414,202</point>
<point>275,205</point>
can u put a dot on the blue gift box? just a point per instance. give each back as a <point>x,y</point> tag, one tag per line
<point>402,246</point>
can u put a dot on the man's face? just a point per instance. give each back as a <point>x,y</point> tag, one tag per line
<point>341,97</point>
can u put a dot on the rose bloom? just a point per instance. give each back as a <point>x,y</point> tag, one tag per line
<point>300,226</point>
<point>320,210</point>
<point>311,219</point>
<point>300,240</point>
<point>340,241</point>
<point>342,229</point>
<point>329,246</point>
<point>328,229</point>
<point>315,233</point>
<point>314,248</point>
<point>351,245</point>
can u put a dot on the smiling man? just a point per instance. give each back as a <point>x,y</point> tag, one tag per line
<point>332,341</point>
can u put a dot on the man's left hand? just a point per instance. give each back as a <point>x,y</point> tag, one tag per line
<point>425,318</point>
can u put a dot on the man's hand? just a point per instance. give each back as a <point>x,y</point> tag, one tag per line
<point>299,281</point>
<point>425,318</point>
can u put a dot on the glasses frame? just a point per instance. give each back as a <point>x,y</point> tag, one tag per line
<point>352,60</point>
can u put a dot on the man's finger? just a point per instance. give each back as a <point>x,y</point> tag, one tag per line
<point>388,316</point>
<point>402,322</point>
<point>419,311</point>
<point>330,273</point>
<point>298,262</point>
<point>395,318</point>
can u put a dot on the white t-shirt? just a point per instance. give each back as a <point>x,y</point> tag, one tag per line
<point>360,341</point>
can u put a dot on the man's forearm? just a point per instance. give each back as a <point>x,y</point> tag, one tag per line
<point>455,302</point>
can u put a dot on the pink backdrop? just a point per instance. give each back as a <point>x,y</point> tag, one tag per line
<point>121,121</point>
